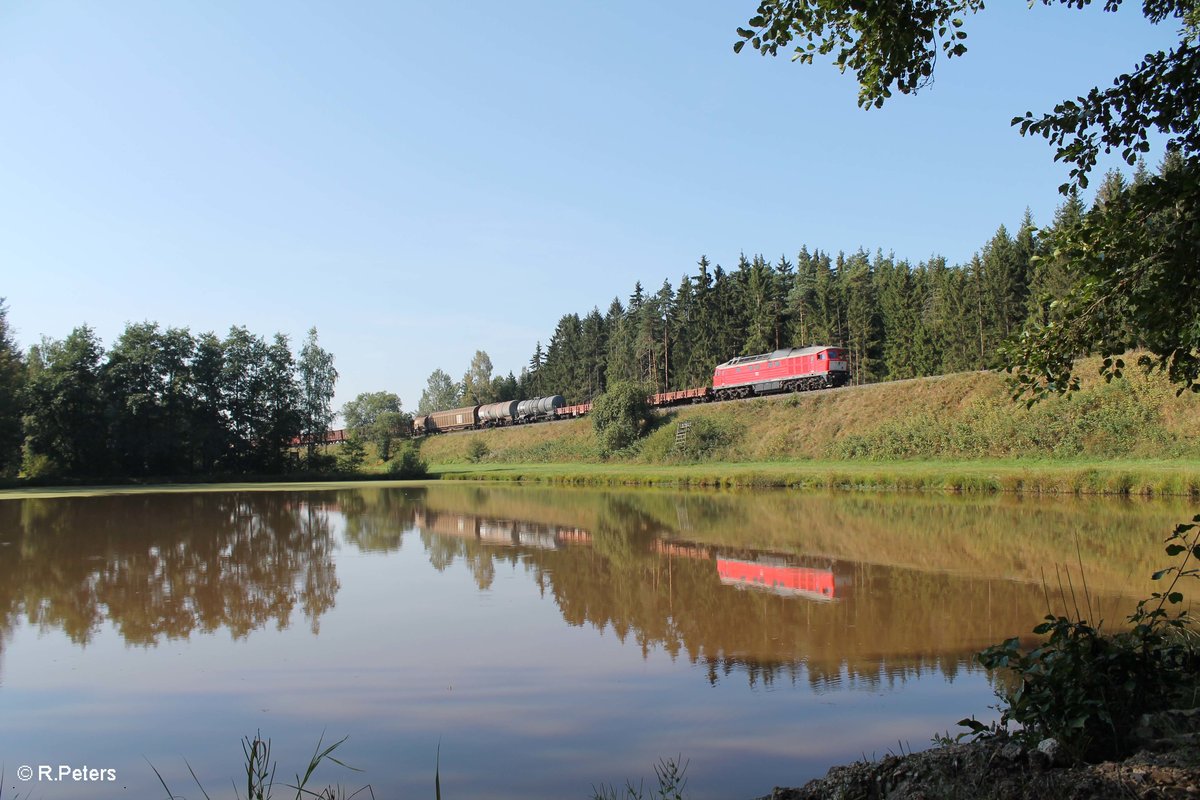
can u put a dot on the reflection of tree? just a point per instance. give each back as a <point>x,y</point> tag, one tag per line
<point>165,565</point>
<point>376,519</point>
<point>889,622</point>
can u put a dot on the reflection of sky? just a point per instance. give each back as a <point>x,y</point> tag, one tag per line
<point>522,705</point>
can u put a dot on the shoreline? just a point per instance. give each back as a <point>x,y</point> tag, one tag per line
<point>1121,478</point>
<point>1143,478</point>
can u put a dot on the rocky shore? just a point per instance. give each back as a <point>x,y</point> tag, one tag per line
<point>1167,765</point>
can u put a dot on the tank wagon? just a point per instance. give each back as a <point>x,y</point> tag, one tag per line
<point>491,415</point>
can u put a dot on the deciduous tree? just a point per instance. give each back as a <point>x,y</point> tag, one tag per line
<point>318,379</point>
<point>376,417</point>
<point>441,393</point>
<point>12,384</point>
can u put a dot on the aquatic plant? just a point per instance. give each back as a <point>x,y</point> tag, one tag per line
<point>671,777</point>
<point>260,770</point>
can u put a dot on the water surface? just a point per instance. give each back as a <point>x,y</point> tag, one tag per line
<point>548,640</point>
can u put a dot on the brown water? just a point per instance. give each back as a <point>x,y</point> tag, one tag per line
<point>547,640</point>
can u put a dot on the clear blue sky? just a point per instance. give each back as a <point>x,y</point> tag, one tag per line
<point>423,180</point>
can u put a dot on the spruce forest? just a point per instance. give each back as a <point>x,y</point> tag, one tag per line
<point>897,319</point>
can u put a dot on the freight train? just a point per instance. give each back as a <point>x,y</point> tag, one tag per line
<point>796,369</point>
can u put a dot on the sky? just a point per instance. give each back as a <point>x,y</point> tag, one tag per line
<point>420,181</point>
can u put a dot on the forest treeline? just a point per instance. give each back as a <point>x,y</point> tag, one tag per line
<point>897,319</point>
<point>159,402</point>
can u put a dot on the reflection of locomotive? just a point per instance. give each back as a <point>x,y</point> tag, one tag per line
<point>776,576</point>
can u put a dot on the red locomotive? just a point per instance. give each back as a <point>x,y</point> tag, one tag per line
<point>795,369</point>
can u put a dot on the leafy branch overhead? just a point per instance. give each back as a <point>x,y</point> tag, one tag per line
<point>885,44</point>
<point>1132,259</point>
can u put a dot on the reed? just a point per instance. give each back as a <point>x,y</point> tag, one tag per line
<point>260,769</point>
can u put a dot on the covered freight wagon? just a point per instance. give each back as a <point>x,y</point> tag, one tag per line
<point>456,419</point>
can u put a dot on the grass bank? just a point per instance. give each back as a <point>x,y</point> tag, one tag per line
<point>956,433</point>
<point>1079,477</point>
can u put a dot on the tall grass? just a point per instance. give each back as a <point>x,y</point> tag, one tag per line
<point>260,769</point>
<point>668,772</point>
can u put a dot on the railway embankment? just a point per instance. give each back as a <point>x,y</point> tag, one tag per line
<point>959,432</point>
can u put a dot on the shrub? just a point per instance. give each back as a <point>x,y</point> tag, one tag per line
<point>408,465</point>
<point>1087,688</point>
<point>477,450</point>
<point>351,456</point>
<point>37,465</point>
<point>320,462</point>
<point>621,415</point>
<point>704,437</point>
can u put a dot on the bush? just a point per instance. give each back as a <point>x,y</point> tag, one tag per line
<point>351,456</point>
<point>621,415</point>
<point>38,465</point>
<point>477,450</point>
<point>320,462</point>
<point>1088,689</point>
<point>408,465</point>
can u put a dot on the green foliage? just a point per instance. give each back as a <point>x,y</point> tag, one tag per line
<point>1131,263</point>
<point>12,385</point>
<point>409,465</point>
<point>66,404</point>
<point>477,383</point>
<point>165,402</point>
<point>1126,270</point>
<point>318,378</point>
<point>38,465</point>
<point>317,461</point>
<point>1087,688</point>
<point>441,393</point>
<point>671,778</point>
<point>376,417</point>
<point>621,415</point>
<point>705,439</point>
<point>884,44</point>
<point>260,768</point>
<point>352,455</point>
<point>1110,420</point>
<point>477,450</point>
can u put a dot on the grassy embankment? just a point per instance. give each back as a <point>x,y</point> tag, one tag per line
<point>959,432</point>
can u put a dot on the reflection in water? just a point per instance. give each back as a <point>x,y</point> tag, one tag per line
<point>774,574</point>
<point>868,586</point>
<point>636,576</point>
<point>164,566</point>
<point>736,622</point>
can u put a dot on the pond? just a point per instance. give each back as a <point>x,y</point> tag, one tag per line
<point>521,641</point>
